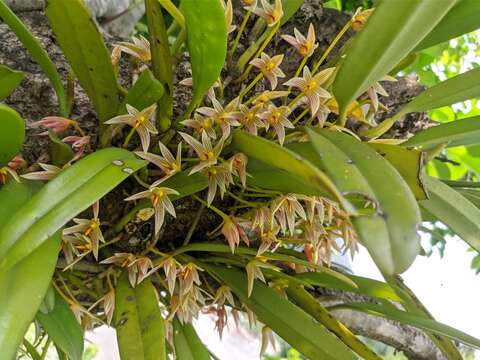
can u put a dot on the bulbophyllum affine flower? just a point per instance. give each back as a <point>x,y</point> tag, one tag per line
<point>270,13</point>
<point>223,294</point>
<point>269,66</point>
<point>262,218</point>
<point>268,239</point>
<point>286,210</point>
<point>141,121</point>
<point>90,228</point>
<point>224,117</point>
<point>138,267</point>
<point>304,45</point>
<point>238,165</point>
<point>75,246</point>
<point>188,306</point>
<point>267,339</point>
<point>79,143</point>
<point>167,163</point>
<point>254,271</point>
<point>207,153</point>
<point>11,170</point>
<point>377,89</point>
<point>360,18</point>
<point>160,202</point>
<point>57,124</point>
<point>263,100</point>
<point>140,48</point>
<point>249,5</point>
<point>277,118</point>
<point>249,119</point>
<point>201,125</point>
<point>170,268</point>
<point>48,173</point>
<point>234,230</point>
<point>219,177</point>
<point>311,86</point>
<point>187,277</point>
<point>227,6</point>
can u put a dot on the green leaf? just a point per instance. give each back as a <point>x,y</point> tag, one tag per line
<point>461,19</point>
<point>390,233</point>
<point>365,286</point>
<point>412,320</point>
<point>12,134</point>
<point>207,44</point>
<point>162,63</point>
<point>37,53</point>
<point>188,345</point>
<point>138,321</point>
<point>9,80</point>
<point>145,92</point>
<point>408,162</point>
<point>22,287</point>
<point>454,133</point>
<point>290,7</point>
<point>68,194</point>
<point>83,46</point>
<point>63,328</point>
<point>291,323</point>
<point>60,153</point>
<point>459,88</point>
<point>454,210</point>
<point>274,155</point>
<point>393,30</point>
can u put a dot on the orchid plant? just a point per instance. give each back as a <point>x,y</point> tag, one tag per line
<point>242,196</point>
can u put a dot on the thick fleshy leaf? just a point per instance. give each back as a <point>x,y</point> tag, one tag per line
<point>83,46</point>
<point>291,323</point>
<point>289,162</point>
<point>71,192</point>
<point>408,162</point>
<point>145,92</point>
<point>454,210</point>
<point>393,30</point>
<point>37,52</point>
<point>461,19</point>
<point>19,304</point>
<point>188,345</point>
<point>138,321</point>
<point>455,133</point>
<point>60,152</point>
<point>365,286</point>
<point>390,232</point>
<point>9,80</point>
<point>417,321</point>
<point>162,63</point>
<point>12,134</point>
<point>207,43</point>
<point>63,328</point>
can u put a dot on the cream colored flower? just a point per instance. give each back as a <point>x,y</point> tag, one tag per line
<point>141,121</point>
<point>270,13</point>
<point>304,45</point>
<point>269,66</point>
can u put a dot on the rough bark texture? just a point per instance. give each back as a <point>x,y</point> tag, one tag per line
<point>35,99</point>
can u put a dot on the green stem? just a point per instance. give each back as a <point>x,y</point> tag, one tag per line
<point>331,46</point>
<point>140,181</point>
<point>179,41</point>
<point>174,12</point>
<point>239,199</point>
<point>299,117</point>
<point>128,138</point>
<point>251,85</point>
<point>45,349</point>
<point>299,69</point>
<point>239,35</point>
<point>219,212</point>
